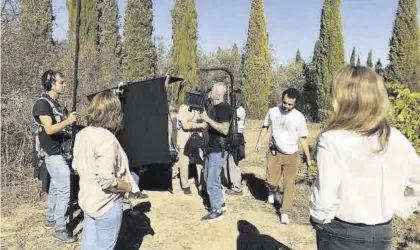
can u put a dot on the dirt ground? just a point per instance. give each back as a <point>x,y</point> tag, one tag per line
<point>172,221</point>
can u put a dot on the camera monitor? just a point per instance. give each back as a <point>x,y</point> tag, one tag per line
<point>195,100</point>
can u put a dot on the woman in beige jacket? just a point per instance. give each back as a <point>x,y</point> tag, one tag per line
<point>104,173</point>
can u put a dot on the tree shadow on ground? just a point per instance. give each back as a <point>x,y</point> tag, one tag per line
<point>135,226</point>
<point>250,238</point>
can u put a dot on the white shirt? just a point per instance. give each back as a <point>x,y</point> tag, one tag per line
<point>358,186</point>
<point>240,113</point>
<point>286,129</point>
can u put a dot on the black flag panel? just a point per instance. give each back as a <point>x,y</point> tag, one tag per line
<point>144,133</point>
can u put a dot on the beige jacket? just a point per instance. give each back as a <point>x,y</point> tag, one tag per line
<point>185,115</point>
<point>99,160</point>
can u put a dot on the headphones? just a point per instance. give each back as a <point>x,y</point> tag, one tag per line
<point>48,79</point>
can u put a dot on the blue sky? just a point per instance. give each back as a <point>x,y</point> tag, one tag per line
<point>292,24</point>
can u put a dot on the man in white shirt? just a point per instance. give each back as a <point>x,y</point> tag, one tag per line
<point>288,127</point>
<point>235,175</point>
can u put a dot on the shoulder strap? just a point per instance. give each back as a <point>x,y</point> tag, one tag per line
<point>56,113</point>
<point>52,105</point>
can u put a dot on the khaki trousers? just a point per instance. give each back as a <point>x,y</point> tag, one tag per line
<point>183,165</point>
<point>286,165</point>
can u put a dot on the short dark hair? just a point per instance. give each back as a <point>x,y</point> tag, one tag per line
<point>239,97</point>
<point>49,77</point>
<point>292,93</point>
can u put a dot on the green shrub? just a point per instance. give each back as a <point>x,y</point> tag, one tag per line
<point>405,110</point>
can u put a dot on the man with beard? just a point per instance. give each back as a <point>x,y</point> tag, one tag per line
<point>288,127</point>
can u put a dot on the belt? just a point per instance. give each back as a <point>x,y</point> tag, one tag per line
<point>362,224</point>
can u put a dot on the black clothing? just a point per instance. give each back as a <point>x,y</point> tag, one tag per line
<point>192,148</point>
<point>220,113</point>
<point>50,143</point>
<point>238,152</point>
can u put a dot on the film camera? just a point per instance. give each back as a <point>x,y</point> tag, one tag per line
<point>196,100</point>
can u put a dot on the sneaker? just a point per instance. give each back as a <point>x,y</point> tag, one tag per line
<point>213,216</point>
<point>271,199</point>
<point>285,219</point>
<point>64,237</point>
<point>233,192</point>
<point>49,224</point>
<point>224,208</point>
<point>138,196</point>
<point>187,191</point>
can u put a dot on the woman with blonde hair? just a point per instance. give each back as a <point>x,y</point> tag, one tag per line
<point>104,173</point>
<point>364,167</point>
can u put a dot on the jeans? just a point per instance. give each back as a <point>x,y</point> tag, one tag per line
<point>59,193</point>
<point>212,170</point>
<point>102,232</point>
<point>136,177</point>
<point>343,235</point>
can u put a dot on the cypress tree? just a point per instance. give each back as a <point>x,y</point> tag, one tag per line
<point>353,57</point>
<point>378,68</point>
<point>89,24</point>
<point>358,61</point>
<point>257,66</point>
<point>404,53</point>
<point>369,62</point>
<point>298,58</point>
<point>184,48</point>
<point>317,52</point>
<point>331,52</point>
<point>139,55</point>
<point>89,59</point>
<point>110,44</point>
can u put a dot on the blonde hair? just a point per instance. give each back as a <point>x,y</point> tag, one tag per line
<point>360,104</point>
<point>105,111</point>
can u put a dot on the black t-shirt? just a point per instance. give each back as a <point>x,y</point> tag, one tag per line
<point>220,113</point>
<point>50,143</point>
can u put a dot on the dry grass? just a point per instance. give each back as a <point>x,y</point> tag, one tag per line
<point>175,218</point>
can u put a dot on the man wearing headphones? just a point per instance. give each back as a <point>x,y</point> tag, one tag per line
<point>50,115</point>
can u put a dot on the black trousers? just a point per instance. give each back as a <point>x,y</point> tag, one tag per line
<point>339,235</point>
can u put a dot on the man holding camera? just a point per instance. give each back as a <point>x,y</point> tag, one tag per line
<point>187,126</point>
<point>50,115</point>
<point>288,127</point>
<point>218,120</point>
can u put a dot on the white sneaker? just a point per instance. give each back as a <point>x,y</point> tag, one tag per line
<point>285,219</point>
<point>224,208</point>
<point>271,199</point>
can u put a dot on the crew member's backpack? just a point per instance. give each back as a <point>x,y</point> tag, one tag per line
<point>235,143</point>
